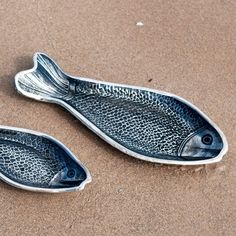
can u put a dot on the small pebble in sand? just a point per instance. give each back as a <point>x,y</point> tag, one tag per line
<point>120,190</point>
<point>220,169</point>
<point>140,23</point>
<point>198,169</point>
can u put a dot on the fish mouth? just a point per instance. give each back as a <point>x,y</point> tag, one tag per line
<point>204,143</point>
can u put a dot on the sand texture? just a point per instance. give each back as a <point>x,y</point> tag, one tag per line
<point>184,47</point>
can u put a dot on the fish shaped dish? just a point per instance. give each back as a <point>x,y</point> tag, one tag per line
<point>35,161</point>
<point>147,124</point>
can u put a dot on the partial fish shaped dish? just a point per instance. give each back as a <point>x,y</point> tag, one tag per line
<point>38,162</point>
<point>144,123</point>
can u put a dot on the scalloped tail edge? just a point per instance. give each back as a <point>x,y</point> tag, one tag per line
<point>44,81</point>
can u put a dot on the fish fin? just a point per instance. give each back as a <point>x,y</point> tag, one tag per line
<point>46,81</point>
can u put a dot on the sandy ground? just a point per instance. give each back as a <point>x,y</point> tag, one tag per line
<point>184,47</point>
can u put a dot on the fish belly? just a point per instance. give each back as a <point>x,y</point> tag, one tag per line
<point>142,121</point>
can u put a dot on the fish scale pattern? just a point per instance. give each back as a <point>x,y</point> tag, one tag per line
<point>142,121</point>
<point>29,159</point>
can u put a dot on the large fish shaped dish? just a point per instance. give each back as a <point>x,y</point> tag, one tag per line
<point>147,124</point>
<point>35,161</point>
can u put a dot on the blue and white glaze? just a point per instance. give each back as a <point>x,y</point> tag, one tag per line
<point>150,125</point>
<point>34,161</point>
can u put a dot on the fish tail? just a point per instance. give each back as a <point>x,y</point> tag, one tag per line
<point>45,81</point>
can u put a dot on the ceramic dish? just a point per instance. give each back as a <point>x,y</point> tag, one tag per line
<point>38,162</point>
<point>147,124</point>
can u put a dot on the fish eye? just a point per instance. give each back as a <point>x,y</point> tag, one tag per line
<point>207,139</point>
<point>71,173</point>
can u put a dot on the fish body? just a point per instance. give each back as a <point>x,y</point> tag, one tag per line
<point>38,162</point>
<point>151,125</point>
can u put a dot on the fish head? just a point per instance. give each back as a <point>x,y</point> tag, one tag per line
<point>206,143</point>
<point>70,176</point>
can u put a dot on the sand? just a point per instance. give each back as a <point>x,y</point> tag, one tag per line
<point>184,47</point>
